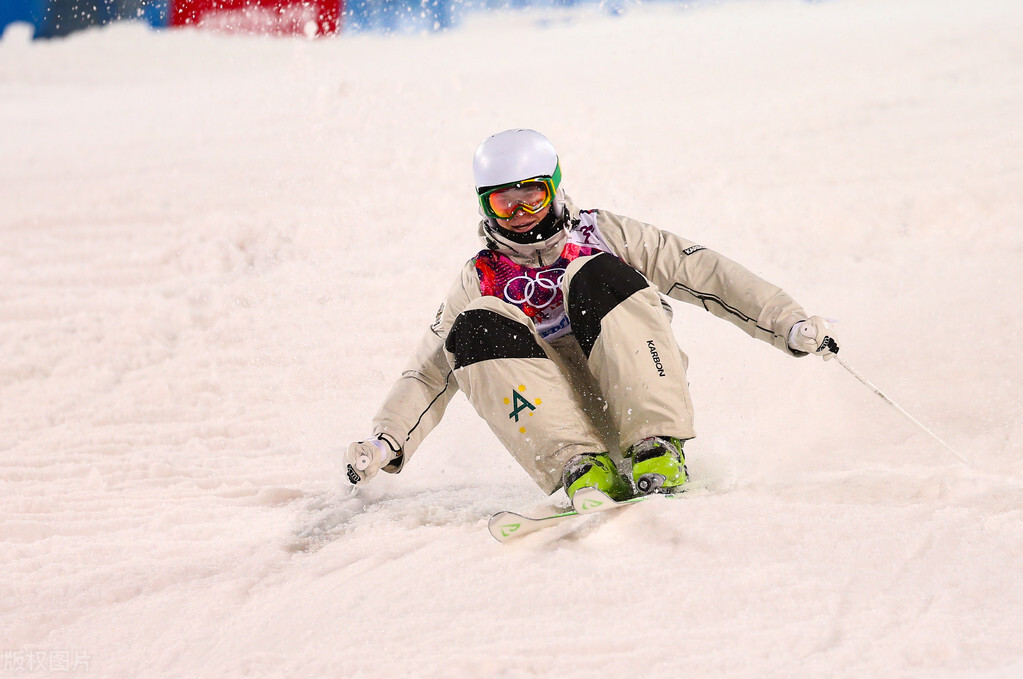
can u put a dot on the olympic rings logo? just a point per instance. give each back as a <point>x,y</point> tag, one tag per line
<point>534,291</point>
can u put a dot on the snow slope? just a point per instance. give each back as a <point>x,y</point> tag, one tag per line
<point>217,252</point>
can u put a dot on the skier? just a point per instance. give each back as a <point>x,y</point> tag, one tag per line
<point>559,337</point>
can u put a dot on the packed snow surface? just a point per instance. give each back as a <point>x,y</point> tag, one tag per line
<point>217,252</point>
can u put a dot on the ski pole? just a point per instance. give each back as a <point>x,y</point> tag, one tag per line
<point>852,371</point>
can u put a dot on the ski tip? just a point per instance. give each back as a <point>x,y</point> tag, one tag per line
<point>504,525</point>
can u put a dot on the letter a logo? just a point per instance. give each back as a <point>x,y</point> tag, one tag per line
<point>519,403</point>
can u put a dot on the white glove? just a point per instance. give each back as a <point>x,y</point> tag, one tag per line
<point>815,335</point>
<point>365,458</point>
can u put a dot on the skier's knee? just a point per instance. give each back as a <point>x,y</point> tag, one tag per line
<point>481,335</point>
<point>595,289</point>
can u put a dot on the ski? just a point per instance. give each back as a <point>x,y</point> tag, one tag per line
<point>506,526</point>
<point>591,500</point>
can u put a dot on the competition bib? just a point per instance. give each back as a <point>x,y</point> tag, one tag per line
<point>537,291</point>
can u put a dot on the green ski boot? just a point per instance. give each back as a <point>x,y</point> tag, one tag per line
<point>658,465</point>
<point>595,470</point>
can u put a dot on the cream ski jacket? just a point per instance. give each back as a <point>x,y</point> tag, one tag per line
<point>678,268</point>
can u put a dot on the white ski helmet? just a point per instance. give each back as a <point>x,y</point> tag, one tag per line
<point>514,155</point>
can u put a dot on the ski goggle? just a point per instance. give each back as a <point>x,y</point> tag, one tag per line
<point>529,195</point>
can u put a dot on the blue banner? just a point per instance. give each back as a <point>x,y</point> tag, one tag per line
<point>54,18</point>
<point>30,11</point>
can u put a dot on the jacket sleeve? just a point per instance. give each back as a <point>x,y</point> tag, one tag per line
<point>691,273</point>
<point>418,399</point>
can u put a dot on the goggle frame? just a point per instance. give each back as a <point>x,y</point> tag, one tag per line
<point>551,183</point>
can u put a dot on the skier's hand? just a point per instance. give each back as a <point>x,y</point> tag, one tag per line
<point>365,458</point>
<point>815,335</point>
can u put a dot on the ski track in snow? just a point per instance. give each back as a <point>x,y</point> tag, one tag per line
<point>217,252</point>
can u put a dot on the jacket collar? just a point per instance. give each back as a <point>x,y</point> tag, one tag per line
<point>532,255</point>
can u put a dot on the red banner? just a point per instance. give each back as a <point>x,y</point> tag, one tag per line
<point>265,17</point>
